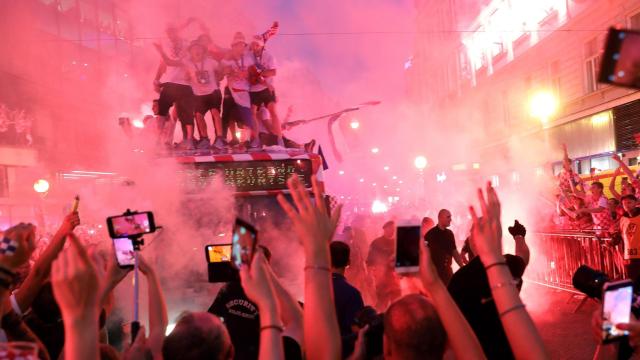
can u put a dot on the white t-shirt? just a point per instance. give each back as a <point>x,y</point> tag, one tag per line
<point>176,74</point>
<point>203,75</point>
<point>240,87</point>
<point>265,61</point>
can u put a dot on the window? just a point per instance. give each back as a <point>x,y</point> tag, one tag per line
<point>601,163</point>
<point>593,57</point>
<point>4,182</point>
<point>634,21</point>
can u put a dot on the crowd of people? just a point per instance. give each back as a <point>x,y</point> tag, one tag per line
<point>235,85</point>
<point>61,298</point>
<point>584,207</point>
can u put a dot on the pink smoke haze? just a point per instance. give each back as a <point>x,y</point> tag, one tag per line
<point>331,55</point>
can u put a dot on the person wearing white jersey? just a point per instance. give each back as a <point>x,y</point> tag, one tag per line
<point>174,85</point>
<point>207,97</point>
<point>237,102</point>
<point>262,91</point>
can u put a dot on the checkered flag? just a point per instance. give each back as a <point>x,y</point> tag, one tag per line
<point>8,247</point>
<point>273,30</point>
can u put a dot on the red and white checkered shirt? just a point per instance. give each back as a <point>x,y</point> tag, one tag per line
<point>601,220</point>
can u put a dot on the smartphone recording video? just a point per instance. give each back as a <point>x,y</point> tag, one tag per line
<point>219,266</point>
<point>621,59</point>
<point>131,225</point>
<point>125,254</point>
<point>407,249</point>
<point>616,309</point>
<point>243,243</point>
<point>218,253</point>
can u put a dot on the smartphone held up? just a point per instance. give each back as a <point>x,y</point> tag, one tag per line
<point>131,224</point>
<point>243,243</point>
<point>407,249</point>
<point>617,298</point>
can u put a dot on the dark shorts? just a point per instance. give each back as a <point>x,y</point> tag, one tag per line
<point>264,97</point>
<point>181,96</point>
<point>204,103</point>
<point>233,112</point>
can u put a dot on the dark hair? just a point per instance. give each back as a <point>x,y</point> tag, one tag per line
<point>598,184</point>
<point>615,201</point>
<point>193,340</point>
<point>413,325</point>
<point>156,100</point>
<point>340,253</point>
<point>388,223</point>
<point>426,219</point>
<point>629,197</point>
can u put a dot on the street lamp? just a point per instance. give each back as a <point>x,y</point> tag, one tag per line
<point>355,124</point>
<point>41,186</point>
<point>543,105</point>
<point>420,162</point>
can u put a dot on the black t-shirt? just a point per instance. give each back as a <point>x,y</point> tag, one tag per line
<point>240,316</point>
<point>348,303</point>
<point>442,244</point>
<point>469,288</point>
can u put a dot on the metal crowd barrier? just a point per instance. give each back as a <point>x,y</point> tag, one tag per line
<point>557,255</point>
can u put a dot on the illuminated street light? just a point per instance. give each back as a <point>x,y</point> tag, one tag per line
<point>41,186</point>
<point>355,124</point>
<point>378,207</point>
<point>420,162</point>
<point>386,168</point>
<point>543,105</point>
<point>341,172</point>
<point>375,150</point>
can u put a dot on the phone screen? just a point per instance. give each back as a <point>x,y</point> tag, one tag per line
<point>616,309</point>
<point>407,248</point>
<point>243,242</point>
<point>621,60</point>
<point>218,253</point>
<point>124,252</point>
<point>130,225</point>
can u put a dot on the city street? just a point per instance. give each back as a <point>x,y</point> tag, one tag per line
<point>567,335</point>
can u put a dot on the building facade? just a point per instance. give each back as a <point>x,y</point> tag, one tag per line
<point>487,64</point>
<point>59,58</point>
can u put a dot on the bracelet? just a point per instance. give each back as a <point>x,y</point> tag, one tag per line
<point>499,263</point>
<point>274,327</point>
<point>513,282</point>
<point>513,308</point>
<point>320,268</point>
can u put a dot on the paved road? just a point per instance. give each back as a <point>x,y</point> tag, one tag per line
<point>566,334</point>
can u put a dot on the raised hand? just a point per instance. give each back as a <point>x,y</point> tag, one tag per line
<point>17,245</point>
<point>70,222</point>
<point>256,281</point>
<point>428,273</point>
<point>312,223</point>
<point>75,282</point>
<point>144,266</point>
<point>487,230</point>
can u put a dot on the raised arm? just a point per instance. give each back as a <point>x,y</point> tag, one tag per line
<point>158,317</point>
<point>75,286</point>
<point>256,282</point>
<point>518,231</point>
<point>522,334</point>
<point>290,311</point>
<point>624,167</point>
<point>27,293</point>
<point>315,227</point>
<point>463,341</point>
<point>167,60</point>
